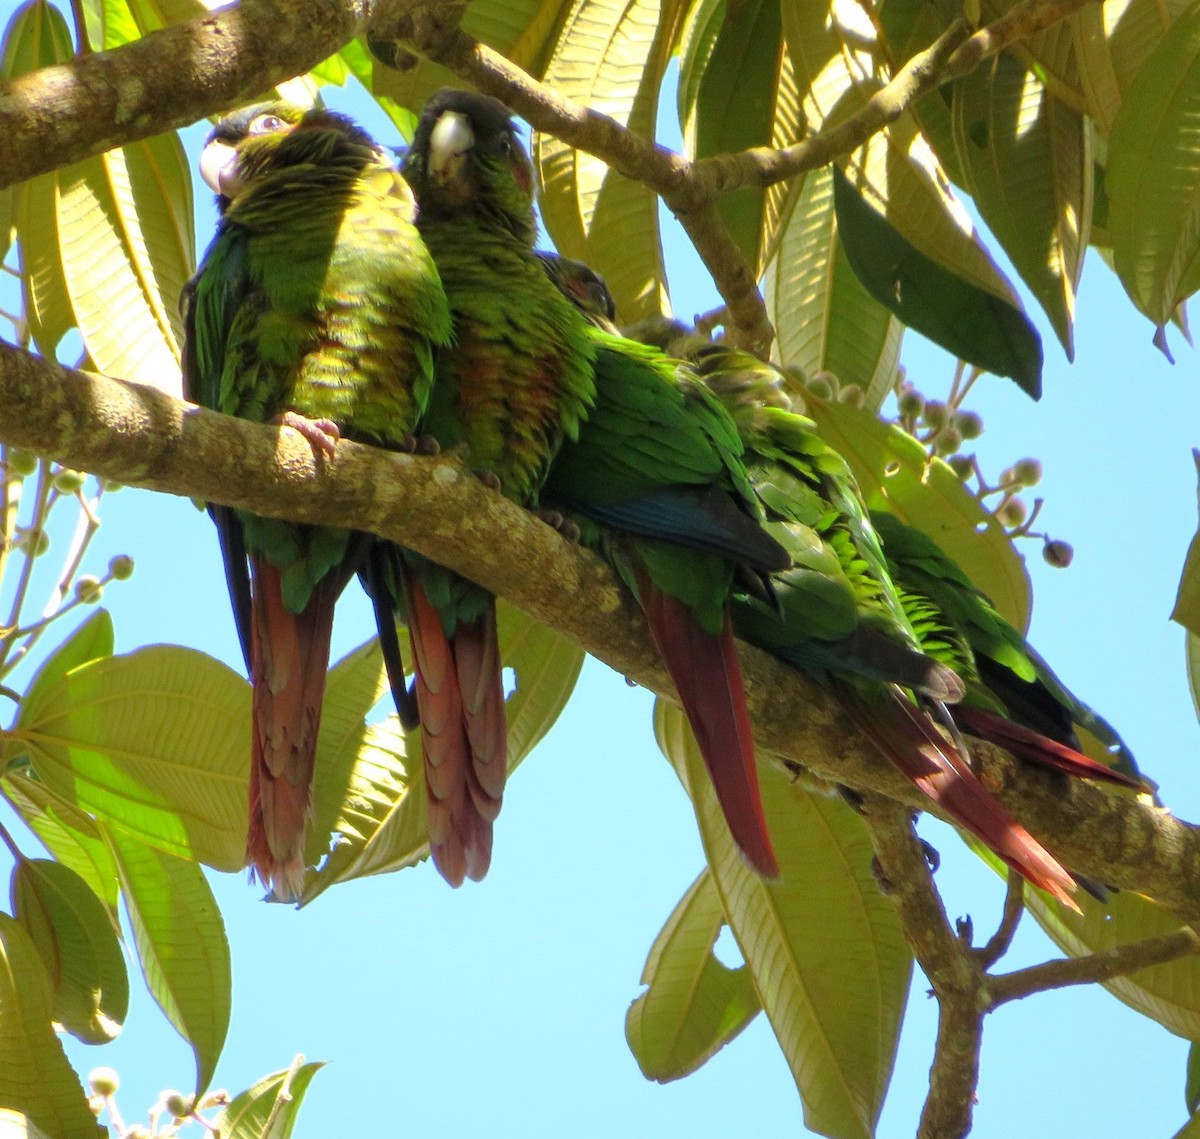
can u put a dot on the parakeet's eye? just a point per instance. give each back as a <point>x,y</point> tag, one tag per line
<point>265,124</point>
<point>504,145</point>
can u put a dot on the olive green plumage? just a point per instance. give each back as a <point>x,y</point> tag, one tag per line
<point>318,306</point>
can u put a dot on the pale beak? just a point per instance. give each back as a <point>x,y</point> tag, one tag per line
<point>218,168</point>
<point>452,137</point>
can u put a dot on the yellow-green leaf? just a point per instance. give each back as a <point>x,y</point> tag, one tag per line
<point>896,474</point>
<point>824,319</point>
<point>35,1078</point>
<point>156,742</point>
<point>16,1125</point>
<point>694,1004</point>
<point>826,951</point>
<point>610,55</point>
<point>36,36</point>
<point>77,938</point>
<point>90,641</point>
<point>1154,176</point>
<point>181,945</point>
<point>248,1113</point>
<point>1027,160</point>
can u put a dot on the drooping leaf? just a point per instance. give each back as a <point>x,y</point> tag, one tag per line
<point>896,474</point>
<point>181,945</point>
<point>1027,159</point>
<point>824,319</point>
<point>1154,176</point>
<point>828,957</point>
<point>694,1004</point>
<point>35,1078</point>
<point>156,743</point>
<point>247,1114</point>
<point>77,939</point>
<point>611,55</point>
<point>970,323</point>
<point>1191,1090</point>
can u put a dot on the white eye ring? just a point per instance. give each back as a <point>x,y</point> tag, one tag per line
<point>266,124</point>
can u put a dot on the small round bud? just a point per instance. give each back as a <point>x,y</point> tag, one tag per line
<point>22,462</point>
<point>1058,553</point>
<point>947,441</point>
<point>111,485</point>
<point>970,423</point>
<point>852,395</point>
<point>911,403</point>
<point>1027,472</point>
<point>937,414</point>
<point>104,1081</point>
<point>33,543</point>
<point>962,465</point>
<point>88,589</point>
<point>96,1105</point>
<point>67,481</point>
<point>820,388</point>
<point>216,1098</point>
<point>1013,512</point>
<point>178,1104</point>
<point>121,567</point>
<point>825,376</point>
<point>137,1131</point>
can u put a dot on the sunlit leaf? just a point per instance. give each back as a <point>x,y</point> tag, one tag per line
<point>247,1114</point>
<point>156,742</point>
<point>1191,1091</point>
<point>611,55</point>
<point>1154,176</point>
<point>181,945</point>
<point>15,1125</point>
<point>77,939</point>
<point>828,957</point>
<point>1027,160</point>
<point>90,641</point>
<point>972,324</point>
<point>35,1077</point>
<point>694,1004</point>
<point>1187,599</point>
<point>824,319</point>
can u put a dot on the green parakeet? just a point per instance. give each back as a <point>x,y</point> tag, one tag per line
<point>316,306</point>
<point>565,416</point>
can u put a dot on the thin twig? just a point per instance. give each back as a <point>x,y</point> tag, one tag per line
<point>1014,907</point>
<point>1018,23</point>
<point>284,1095</point>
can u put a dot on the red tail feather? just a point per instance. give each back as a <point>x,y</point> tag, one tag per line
<point>911,741</point>
<point>463,733</point>
<point>709,681</point>
<point>289,657</point>
<point>1029,745</point>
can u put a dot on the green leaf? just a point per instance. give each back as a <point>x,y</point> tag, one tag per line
<point>1154,176</point>
<point>1187,598</point>
<point>247,1115</point>
<point>15,1125</point>
<point>694,1004</point>
<point>156,742</point>
<point>824,319</point>
<point>733,105</point>
<point>828,957</point>
<point>1190,1130</point>
<point>35,1077</point>
<point>970,323</point>
<point>90,641</point>
<point>181,945</point>
<point>1027,160</point>
<point>77,938</point>
<point>610,54</point>
<point>36,36</point>
<point>69,834</point>
<point>896,474</point>
<point>1191,1090</point>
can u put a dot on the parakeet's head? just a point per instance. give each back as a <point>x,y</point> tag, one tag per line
<point>583,287</point>
<point>466,154</point>
<point>256,141</point>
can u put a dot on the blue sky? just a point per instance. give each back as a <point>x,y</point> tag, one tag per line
<point>499,1009</point>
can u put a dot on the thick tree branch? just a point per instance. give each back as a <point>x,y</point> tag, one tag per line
<point>139,436</point>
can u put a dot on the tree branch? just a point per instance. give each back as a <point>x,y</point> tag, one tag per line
<point>142,437</point>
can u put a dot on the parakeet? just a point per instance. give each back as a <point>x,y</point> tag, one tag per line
<point>316,306</point>
<point>567,417</point>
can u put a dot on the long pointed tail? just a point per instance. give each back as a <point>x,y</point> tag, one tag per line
<point>463,732</point>
<point>708,678</point>
<point>1036,748</point>
<point>910,740</point>
<point>289,657</point>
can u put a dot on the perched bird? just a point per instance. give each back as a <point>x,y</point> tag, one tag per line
<point>318,307</point>
<point>1013,698</point>
<point>613,433</point>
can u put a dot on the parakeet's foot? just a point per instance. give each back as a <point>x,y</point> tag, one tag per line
<point>322,434</point>
<point>489,479</point>
<point>419,445</point>
<point>559,522</point>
